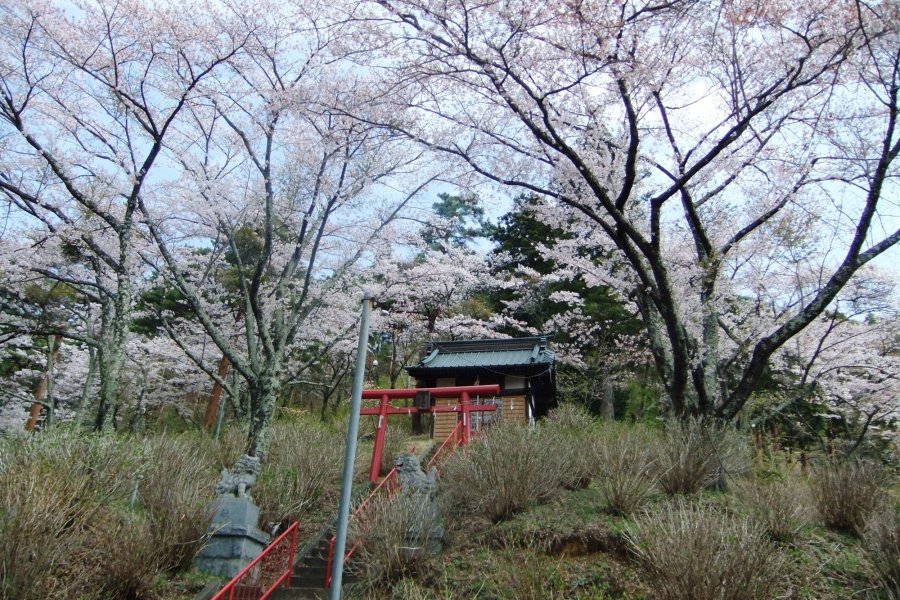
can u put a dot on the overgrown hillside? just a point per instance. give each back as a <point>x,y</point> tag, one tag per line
<point>101,517</point>
<point>583,509</point>
<point>575,508</point>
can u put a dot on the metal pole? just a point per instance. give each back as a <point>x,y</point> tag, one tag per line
<point>340,544</point>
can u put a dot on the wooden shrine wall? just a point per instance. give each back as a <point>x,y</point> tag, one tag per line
<point>514,407</point>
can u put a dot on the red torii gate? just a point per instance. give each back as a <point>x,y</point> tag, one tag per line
<point>464,408</point>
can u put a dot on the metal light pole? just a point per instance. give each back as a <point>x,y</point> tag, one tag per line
<point>340,542</point>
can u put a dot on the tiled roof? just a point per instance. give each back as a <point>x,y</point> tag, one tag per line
<point>487,353</point>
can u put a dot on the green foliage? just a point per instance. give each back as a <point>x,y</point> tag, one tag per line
<point>154,301</point>
<point>464,221</point>
<point>517,237</point>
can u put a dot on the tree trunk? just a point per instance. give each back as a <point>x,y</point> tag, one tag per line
<point>40,390</point>
<point>50,401</point>
<point>212,406</point>
<point>263,397</point>
<point>111,355</point>
<point>110,360</point>
<point>607,402</point>
<point>84,401</point>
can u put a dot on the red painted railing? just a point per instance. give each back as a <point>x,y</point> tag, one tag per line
<point>266,572</point>
<point>388,485</point>
<point>451,443</point>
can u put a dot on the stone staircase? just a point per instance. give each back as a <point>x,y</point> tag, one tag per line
<point>310,565</point>
<point>311,568</point>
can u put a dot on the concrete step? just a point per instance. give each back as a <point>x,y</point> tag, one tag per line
<point>299,594</point>
<point>312,559</point>
<point>315,578</point>
<point>310,571</point>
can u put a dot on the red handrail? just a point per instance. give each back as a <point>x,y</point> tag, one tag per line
<point>259,579</point>
<point>390,484</point>
<point>453,437</point>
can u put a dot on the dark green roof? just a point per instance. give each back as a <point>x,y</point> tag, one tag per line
<point>513,352</point>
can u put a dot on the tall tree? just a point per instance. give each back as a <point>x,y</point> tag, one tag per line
<point>458,221</point>
<point>597,335</point>
<point>87,99</point>
<point>687,138</point>
<point>301,197</point>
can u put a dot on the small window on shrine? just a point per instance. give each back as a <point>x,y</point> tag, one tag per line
<point>514,382</point>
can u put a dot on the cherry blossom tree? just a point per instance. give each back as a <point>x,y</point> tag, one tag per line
<point>301,197</point>
<point>88,94</point>
<point>429,290</point>
<point>849,357</point>
<point>690,143</point>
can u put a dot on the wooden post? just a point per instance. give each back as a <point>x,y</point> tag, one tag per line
<point>40,390</point>
<point>466,418</point>
<point>380,428</point>
<point>212,406</point>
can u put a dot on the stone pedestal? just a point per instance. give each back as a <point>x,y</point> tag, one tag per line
<point>235,538</point>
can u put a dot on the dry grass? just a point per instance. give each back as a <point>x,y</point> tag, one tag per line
<point>123,561</point>
<point>626,466</point>
<point>688,551</point>
<point>304,460</point>
<point>694,455</point>
<point>846,492</point>
<point>176,497</point>
<point>41,521</point>
<point>571,431</point>
<point>394,537</point>
<point>394,443</point>
<point>502,472</point>
<point>65,523</point>
<point>781,506</point>
<point>881,538</point>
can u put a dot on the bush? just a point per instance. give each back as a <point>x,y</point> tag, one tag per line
<point>176,496</point>
<point>782,507</point>
<point>626,467</point>
<point>571,431</point>
<point>230,445</point>
<point>394,536</point>
<point>570,416</point>
<point>123,560</point>
<point>65,523</point>
<point>881,538</point>
<point>691,552</point>
<point>846,492</point>
<point>501,472</point>
<point>41,516</point>
<point>304,458</point>
<point>394,443</point>
<point>693,455</point>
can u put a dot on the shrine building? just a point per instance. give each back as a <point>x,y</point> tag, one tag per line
<point>522,367</point>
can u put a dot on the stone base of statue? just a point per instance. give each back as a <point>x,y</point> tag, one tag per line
<point>234,537</point>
